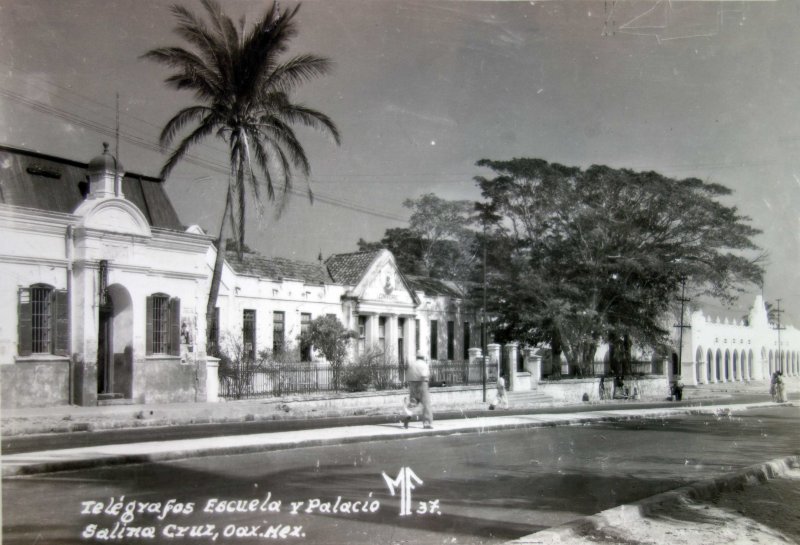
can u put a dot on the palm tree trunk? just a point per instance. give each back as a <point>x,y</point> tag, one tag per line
<point>216,278</point>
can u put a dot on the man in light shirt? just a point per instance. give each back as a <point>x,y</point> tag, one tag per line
<point>417,375</point>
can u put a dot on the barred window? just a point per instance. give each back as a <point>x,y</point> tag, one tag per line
<point>305,328</point>
<point>451,340</point>
<point>382,332</point>
<point>278,327</point>
<point>163,325</point>
<point>434,339</point>
<point>249,333</point>
<point>160,324</point>
<point>40,319</point>
<point>467,340</point>
<point>362,334</point>
<point>43,320</point>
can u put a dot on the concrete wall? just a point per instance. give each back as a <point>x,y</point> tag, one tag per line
<point>440,397</point>
<point>170,381</point>
<point>573,390</point>
<point>35,383</point>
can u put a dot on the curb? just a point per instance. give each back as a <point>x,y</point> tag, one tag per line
<point>632,513</point>
<point>34,468</point>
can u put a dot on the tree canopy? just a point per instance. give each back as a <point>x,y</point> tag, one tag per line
<point>439,241</point>
<point>584,256</point>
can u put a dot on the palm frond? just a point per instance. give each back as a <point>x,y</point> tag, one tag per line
<point>197,135</point>
<point>180,120</point>
<point>298,113</point>
<point>298,70</point>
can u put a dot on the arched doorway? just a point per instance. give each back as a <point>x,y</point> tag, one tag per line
<point>710,366</point>
<point>736,374</point>
<point>720,377</point>
<point>115,345</point>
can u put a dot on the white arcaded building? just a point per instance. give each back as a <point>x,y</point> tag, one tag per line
<point>723,350</point>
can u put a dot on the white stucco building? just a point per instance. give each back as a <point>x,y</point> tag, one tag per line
<point>105,291</point>
<point>723,350</point>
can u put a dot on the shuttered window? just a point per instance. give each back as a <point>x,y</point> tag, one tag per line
<point>43,321</point>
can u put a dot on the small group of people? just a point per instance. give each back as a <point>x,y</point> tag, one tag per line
<point>776,387</point>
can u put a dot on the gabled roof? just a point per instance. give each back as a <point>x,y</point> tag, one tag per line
<point>348,269</point>
<point>434,286</point>
<point>278,268</point>
<point>55,184</point>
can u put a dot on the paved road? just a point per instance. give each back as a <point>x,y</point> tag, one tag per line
<point>15,445</point>
<point>490,487</point>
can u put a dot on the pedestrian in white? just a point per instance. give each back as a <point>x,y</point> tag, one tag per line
<point>780,389</point>
<point>417,375</point>
<point>502,397</point>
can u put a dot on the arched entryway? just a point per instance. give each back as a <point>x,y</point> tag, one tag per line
<point>115,345</point>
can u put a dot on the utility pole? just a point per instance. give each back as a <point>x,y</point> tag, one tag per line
<point>777,311</point>
<point>483,315</point>
<point>682,325</point>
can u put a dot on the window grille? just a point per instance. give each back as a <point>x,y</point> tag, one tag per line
<point>249,333</point>
<point>362,334</point>
<point>41,314</point>
<point>160,324</point>
<point>434,339</point>
<point>278,327</point>
<point>305,328</point>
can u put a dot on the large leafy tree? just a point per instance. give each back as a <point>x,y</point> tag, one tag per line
<point>440,240</point>
<point>601,254</point>
<point>242,89</point>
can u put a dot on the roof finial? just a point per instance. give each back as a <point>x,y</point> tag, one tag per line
<point>105,148</point>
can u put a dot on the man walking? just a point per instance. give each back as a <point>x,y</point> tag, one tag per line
<point>417,376</point>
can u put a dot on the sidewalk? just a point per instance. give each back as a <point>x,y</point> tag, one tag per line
<point>72,418</point>
<point>101,455</point>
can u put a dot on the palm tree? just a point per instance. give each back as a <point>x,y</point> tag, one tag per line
<point>242,91</point>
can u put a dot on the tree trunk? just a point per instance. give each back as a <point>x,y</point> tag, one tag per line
<point>216,278</point>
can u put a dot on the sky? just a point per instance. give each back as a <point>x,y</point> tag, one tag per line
<point>422,90</point>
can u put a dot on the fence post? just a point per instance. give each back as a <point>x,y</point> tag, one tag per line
<point>475,360</point>
<point>493,353</point>
<point>212,379</point>
<point>533,365</point>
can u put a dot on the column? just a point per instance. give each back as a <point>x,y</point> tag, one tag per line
<point>409,335</point>
<point>713,364</point>
<point>493,353</point>
<point>475,366</point>
<point>511,358</point>
<point>212,379</point>
<point>533,365</point>
<point>391,339</point>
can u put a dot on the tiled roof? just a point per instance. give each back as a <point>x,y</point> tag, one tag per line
<point>35,180</point>
<point>434,286</point>
<point>348,269</point>
<point>278,268</point>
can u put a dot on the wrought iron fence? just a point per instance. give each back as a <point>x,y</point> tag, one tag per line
<point>268,380</point>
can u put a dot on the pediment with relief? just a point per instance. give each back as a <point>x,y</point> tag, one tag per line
<point>383,283</point>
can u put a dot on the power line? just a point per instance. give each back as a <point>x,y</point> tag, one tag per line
<point>215,166</point>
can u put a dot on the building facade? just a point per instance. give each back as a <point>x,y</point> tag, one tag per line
<point>106,292</point>
<point>723,350</point>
